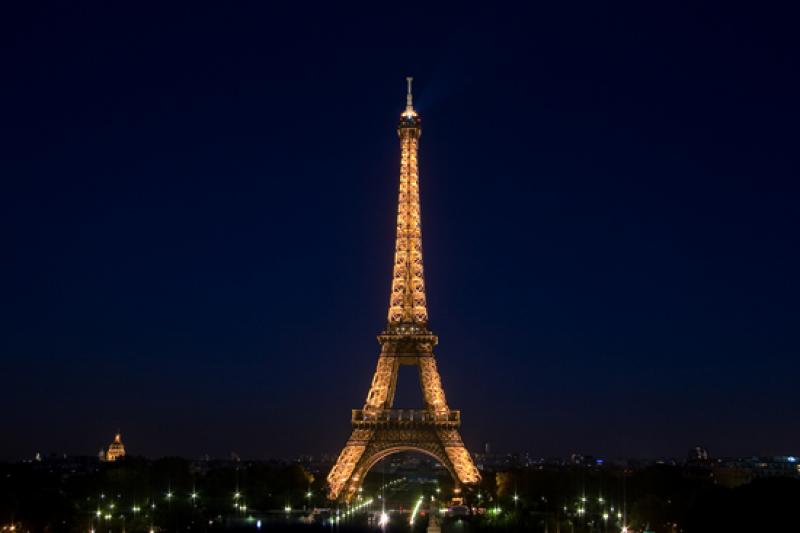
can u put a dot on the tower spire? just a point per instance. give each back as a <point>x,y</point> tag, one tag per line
<point>409,97</point>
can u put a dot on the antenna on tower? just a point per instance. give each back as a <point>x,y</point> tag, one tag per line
<point>409,105</point>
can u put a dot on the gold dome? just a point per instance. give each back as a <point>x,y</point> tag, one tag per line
<point>116,449</point>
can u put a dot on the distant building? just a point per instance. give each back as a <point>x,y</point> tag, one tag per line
<point>698,454</point>
<point>739,471</point>
<point>116,450</point>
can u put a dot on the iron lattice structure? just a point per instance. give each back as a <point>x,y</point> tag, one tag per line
<point>378,429</point>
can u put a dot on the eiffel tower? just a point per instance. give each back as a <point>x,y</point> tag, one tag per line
<point>378,429</point>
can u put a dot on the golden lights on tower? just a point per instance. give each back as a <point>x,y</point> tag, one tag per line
<point>379,429</point>
<point>407,304</point>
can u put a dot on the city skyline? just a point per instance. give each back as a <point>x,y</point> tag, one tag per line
<point>198,228</point>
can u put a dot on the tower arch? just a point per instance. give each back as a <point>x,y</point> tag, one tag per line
<point>379,455</point>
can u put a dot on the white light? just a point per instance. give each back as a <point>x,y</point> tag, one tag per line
<point>288,509</point>
<point>258,524</point>
<point>384,519</point>
<point>415,511</point>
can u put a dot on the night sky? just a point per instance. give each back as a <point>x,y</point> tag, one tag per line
<point>197,211</point>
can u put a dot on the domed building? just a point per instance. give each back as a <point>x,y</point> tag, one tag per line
<point>116,449</point>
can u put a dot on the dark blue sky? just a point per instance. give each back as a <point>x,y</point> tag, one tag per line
<point>197,214</point>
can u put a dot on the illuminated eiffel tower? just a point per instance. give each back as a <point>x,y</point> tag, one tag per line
<point>378,429</point>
